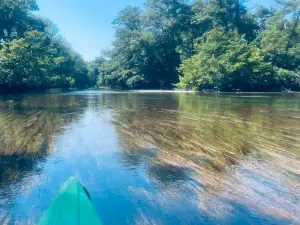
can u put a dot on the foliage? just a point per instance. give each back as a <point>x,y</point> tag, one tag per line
<point>227,59</point>
<point>200,45</point>
<point>207,45</point>
<point>15,16</point>
<point>39,61</point>
<point>94,70</point>
<point>148,44</point>
<point>32,53</point>
<point>229,14</point>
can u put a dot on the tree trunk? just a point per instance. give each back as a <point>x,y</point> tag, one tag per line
<point>221,5</point>
<point>283,22</point>
<point>237,13</point>
<point>292,33</point>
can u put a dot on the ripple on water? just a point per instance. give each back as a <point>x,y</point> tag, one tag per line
<point>153,157</point>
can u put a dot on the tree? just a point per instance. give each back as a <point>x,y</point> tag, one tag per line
<point>32,52</point>
<point>262,16</point>
<point>148,44</point>
<point>14,15</point>
<point>280,43</point>
<point>230,14</point>
<point>205,44</point>
<point>226,62</point>
<point>37,61</point>
<point>169,22</point>
<point>24,62</point>
<point>126,60</point>
<point>94,70</point>
<point>229,58</point>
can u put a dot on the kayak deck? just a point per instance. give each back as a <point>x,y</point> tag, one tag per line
<point>71,206</point>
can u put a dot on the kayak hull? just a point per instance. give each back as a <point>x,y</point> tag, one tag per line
<point>71,206</point>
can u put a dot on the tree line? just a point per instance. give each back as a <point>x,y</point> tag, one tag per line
<point>32,52</point>
<point>216,45</point>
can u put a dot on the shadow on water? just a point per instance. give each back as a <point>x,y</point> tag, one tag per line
<point>28,126</point>
<point>199,139</point>
<point>154,158</point>
<point>243,215</point>
<point>168,174</point>
<point>138,156</point>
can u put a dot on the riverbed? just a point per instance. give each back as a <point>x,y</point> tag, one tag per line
<point>151,157</point>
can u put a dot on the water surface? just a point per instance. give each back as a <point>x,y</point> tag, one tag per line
<point>153,157</point>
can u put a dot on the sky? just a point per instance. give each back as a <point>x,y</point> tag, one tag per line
<point>86,25</point>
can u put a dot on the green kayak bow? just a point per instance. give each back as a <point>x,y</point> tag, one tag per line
<point>72,206</point>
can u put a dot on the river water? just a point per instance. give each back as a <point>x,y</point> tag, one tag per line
<point>153,157</point>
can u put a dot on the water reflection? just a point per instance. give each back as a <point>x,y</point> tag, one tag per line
<point>202,138</point>
<point>153,158</point>
<point>207,130</point>
<point>28,126</point>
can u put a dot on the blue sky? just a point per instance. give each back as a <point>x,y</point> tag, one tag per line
<point>87,24</point>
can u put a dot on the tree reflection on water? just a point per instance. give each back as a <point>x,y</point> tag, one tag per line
<point>28,125</point>
<point>168,157</point>
<point>212,140</point>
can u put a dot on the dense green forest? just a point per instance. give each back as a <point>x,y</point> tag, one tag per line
<point>32,52</point>
<point>204,45</point>
<point>216,45</point>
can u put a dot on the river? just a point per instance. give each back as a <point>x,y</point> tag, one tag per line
<point>153,157</point>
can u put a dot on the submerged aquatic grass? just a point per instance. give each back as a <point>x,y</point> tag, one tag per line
<point>215,158</point>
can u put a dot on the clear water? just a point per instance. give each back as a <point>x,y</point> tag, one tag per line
<point>153,157</point>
